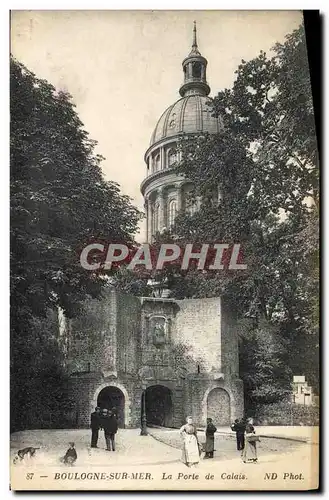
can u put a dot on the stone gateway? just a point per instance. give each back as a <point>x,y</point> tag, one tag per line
<point>189,366</point>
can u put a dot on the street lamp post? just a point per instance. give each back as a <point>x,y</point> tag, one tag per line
<point>143,417</point>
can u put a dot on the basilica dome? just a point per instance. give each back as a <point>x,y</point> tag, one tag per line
<point>190,114</point>
<point>167,192</point>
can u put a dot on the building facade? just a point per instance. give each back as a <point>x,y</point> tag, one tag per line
<point>179,357</point>
<point>302,392</point>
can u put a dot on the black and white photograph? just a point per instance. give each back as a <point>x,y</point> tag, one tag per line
<point>164,251</point>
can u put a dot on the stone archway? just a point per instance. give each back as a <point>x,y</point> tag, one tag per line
<point>113,398</point>
<point>110,395</point>
<point>158,405</point>
<point>219,406</point>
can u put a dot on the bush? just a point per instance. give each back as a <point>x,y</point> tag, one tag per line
<point>286,414</point>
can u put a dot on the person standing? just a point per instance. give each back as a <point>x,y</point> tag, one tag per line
<point>110,430</point>
<point>210,439</point>
<point>104,422</point>
<point>239,428</point>
<point>190,452</point>
<point>95,424</point>
<point>250,450</point>
<point>113,429</point>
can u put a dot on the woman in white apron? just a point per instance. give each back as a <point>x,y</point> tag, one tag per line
<point>188,432</point>
<point>249,453</point>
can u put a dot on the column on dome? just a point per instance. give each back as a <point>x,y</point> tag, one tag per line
<point>179,197</point>
<point>161,209</point>
<point>149,220</point>
<point>189,70</point>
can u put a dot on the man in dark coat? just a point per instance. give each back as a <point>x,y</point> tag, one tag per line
<point>239,427</point>
<point>95,424</point>
<point>110,426</point>
<point>210,439</point>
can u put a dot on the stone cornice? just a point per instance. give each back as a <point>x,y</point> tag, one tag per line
<point>157,175</point>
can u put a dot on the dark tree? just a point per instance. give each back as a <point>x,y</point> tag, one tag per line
<point>60,202</point>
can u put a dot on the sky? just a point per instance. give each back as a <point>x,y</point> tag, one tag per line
<point>124,68</point>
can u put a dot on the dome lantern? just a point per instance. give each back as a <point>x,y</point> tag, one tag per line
<point>194,67</point>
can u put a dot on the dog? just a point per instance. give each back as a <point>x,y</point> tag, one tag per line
<point>24,453</point>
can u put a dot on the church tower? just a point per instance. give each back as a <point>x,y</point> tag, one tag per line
<point>165,193</point>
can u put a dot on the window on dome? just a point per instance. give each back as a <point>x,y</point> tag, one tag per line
<point>191,205</point>
<point>172,212</point>
<point>157,163</point>
<point>196,70</point>
<point>172,157</point>
<point>193,208</point>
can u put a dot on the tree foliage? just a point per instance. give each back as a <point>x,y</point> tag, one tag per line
<point>60,202</point>
<point>264,368</point>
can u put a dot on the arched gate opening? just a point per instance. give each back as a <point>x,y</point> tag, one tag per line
<point>158,406</point>
<point>111,397</point>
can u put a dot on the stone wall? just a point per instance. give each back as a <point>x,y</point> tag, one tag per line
<point>81,390</point>
<point>287,414</point>
<point>198,326</point>
<point>92,336</point>
<point>229,342</point>
<point>128,325</point>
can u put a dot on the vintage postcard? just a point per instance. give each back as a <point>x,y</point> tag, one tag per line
<point>164,252</point>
